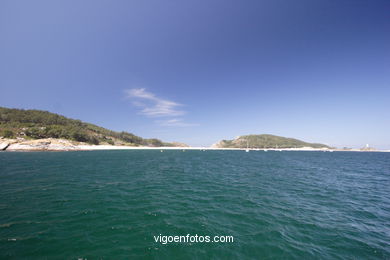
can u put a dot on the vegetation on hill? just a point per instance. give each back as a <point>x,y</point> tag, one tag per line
<point>37,124</point>
<point>266,141</point>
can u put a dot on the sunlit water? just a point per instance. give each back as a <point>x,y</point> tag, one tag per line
<point>110,204</point>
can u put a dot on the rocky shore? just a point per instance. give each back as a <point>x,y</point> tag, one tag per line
<point>52,144</point>
<point>49,144</point>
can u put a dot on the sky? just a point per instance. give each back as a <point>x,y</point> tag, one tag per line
<point>201,71</point>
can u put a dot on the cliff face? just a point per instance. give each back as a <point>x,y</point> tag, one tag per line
<point>265,141</point>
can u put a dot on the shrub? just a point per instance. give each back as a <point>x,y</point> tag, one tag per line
<point>7,133</point>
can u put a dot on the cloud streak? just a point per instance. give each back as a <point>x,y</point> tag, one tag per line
<point>152,105</point>
<point>175,122</point>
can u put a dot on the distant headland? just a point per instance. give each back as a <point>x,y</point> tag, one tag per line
<point>266,141</point>
<point>24,127</point>
<point>37,130</point>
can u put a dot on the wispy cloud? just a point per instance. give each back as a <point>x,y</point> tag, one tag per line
<point>175,122</point>
<point>152,105</point>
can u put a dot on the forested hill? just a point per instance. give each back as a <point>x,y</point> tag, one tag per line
<point>266,141</point>
<point>37,124</point>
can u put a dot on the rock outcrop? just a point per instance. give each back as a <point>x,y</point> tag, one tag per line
<point>3,146</point>
<point>49,144</point>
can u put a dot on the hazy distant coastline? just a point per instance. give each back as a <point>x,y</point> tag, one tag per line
<point>36,130</point>
<point>51,144</point>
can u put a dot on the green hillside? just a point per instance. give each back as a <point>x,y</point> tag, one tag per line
<point>266,141</point>
<point>38,124</point>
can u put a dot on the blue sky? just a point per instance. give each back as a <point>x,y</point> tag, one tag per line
<point>201,71</point>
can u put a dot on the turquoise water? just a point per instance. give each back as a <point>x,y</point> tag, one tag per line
<point>111,204</point>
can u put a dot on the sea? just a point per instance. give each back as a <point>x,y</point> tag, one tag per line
<point>148,204</point>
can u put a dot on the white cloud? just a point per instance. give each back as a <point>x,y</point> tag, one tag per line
<point>152,105</point>
<point>175,122</point>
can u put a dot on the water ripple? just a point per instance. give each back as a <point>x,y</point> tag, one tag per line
<point>110,204</point>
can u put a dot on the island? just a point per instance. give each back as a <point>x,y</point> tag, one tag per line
<point>41,130</point>
<point>267,141</point>
<point>38,130</point>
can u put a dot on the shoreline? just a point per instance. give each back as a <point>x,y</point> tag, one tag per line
<point>57,145</point>
<point>304,149</point>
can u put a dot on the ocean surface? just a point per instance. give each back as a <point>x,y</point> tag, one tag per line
<point>111,204</point>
